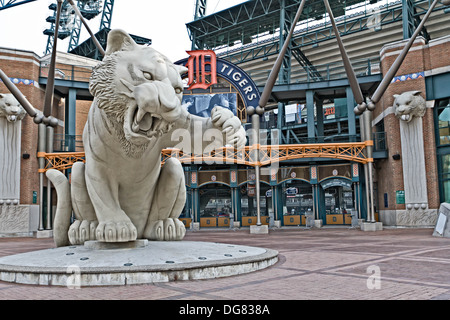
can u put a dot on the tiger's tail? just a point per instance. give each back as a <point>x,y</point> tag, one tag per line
<point>63,214</point>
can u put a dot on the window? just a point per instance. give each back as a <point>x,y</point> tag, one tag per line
<point>445,177</point>
<point>443,112</point>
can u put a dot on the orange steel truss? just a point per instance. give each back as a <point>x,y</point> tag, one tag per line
<point>60,161</point>
<point>351,151</point>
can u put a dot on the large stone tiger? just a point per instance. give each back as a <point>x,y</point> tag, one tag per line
<point>122,193</point>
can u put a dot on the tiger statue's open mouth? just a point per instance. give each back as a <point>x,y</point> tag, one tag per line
<point>147,124</point>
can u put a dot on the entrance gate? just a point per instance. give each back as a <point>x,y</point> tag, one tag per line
<point>339,201</point>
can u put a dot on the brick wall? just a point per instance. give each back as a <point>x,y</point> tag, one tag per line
<point>82,114</point>
<point>25,65</point>
<point>422,57</point>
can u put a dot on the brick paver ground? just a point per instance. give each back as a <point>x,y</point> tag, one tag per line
<point>325,264</point>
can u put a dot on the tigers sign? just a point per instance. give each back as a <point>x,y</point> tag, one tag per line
<point>205,69</point>
<point>198,76</point>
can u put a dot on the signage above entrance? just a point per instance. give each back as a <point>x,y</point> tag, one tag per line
<point>204,69</point>
<point>336,182</point>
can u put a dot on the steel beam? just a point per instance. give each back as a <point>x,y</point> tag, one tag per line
<point>200,9</point>
<point>4,4</point>
<point>108,7</point>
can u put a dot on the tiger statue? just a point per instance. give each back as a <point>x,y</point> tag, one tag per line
<point>409,105</point>
<point>122,193</point>
<point>10,108</point>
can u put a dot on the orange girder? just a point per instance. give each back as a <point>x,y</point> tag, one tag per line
<point>60,161</point>
<point>351,151</point>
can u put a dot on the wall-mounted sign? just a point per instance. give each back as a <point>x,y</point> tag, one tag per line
<point>400,196</point>
<point>291,191</point>
<point>205,69</point>
<point>336,182</point>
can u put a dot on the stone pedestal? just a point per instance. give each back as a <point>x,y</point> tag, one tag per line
<point>43,234</point>
<point>418,218</point>
<point>159,261</point>
<point>442,228</point>
<point>195,226</point>
<point>318,223</point>
<point>262,229</point>
<point>17,220</point>
<point>371,226</point>
<point>100,245</point>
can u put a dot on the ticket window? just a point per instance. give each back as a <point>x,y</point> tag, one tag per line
<point>215,201</point>
<point>298,200</point>
<point>339,203</point>
<point>248,200</point>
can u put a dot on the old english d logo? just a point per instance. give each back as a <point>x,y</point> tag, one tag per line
<point>202,67</point>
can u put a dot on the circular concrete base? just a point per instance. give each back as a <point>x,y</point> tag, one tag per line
<point>97,264</point>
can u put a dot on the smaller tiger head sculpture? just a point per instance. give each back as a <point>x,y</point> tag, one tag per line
<point>408,105</point>
<point>10,108</point>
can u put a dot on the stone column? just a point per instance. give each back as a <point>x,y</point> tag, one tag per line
<point>413,161</point>
<point>10,161</point>
<point>14,219</point>
<point>409,108</point>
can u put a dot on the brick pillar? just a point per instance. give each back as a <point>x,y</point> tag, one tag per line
<point>410,77</point>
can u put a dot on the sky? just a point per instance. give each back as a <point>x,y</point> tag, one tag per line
<point>164,22</point>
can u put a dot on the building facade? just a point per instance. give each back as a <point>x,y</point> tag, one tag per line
<point>311,105</point>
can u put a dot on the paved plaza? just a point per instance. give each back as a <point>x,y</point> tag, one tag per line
<point>318,264</point>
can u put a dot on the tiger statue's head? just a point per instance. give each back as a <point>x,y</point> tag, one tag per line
<point>139,90</point>
<point>409,105</point>
<point>10,108</point>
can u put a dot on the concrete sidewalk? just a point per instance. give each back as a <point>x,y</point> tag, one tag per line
<point>325,264</point>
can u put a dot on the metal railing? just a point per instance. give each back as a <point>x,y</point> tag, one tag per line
<point>329,71</point>
<point>68,143</point>
<point>67,72</point>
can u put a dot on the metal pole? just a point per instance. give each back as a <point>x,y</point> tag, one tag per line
<point>398,62</point>
<point>345,59</point>
<point>233,208</point>
<point>32,112</point>
<point>359,200</point>
<point>372,212</point>
<point>255,126</point>
<point>274,204</point>
<point>49,149</point>
<point>314,201</point>
<point>41,149</point>
<point>317,203</point>
<point>367,116</point>
<point>48,101</point>
<point>365,125</point>
<point>277,66</point>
